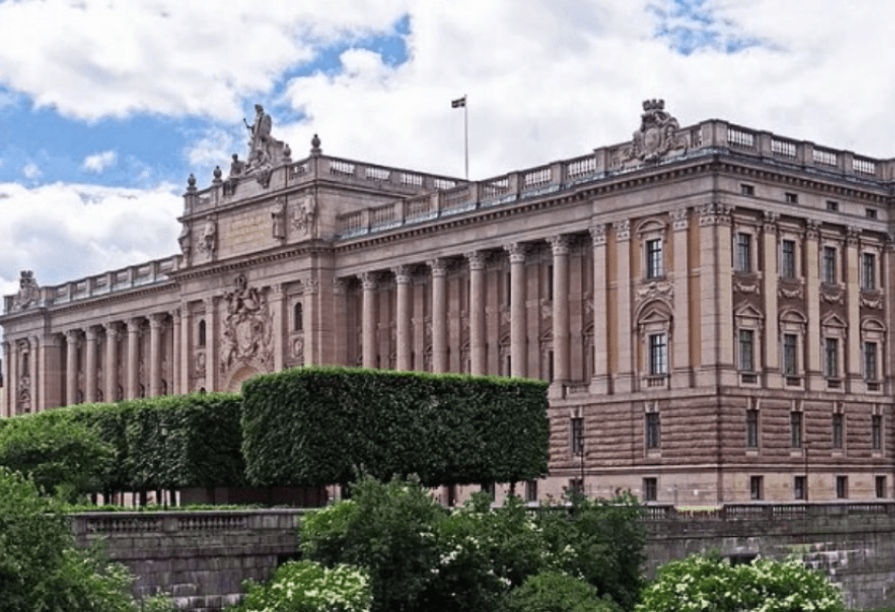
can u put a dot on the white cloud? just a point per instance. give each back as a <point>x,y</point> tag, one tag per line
<point>64,232</point>
<point>212,148</point>
<point>31,171</point>
<point>99,161</point>
<point>96,58</point>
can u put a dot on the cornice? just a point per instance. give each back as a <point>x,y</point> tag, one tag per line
<point>248,260</point>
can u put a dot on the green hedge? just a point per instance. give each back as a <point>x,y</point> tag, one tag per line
<point>320,425</point>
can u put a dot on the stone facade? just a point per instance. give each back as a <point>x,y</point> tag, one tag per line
<point>710,303</point>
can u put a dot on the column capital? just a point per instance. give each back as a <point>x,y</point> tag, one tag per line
<point>71,335</point>
<point>340,286</point>
<point>156,319</point>
<point>770,222</point>
<point>90,333</point>
<point>369,280</point>
<point>812,229</point>
<point>476,259</point>
<point>517,251</point>
<point>560,244</point>
<point>622,229</point>
<point>598,234</point>
<point>112,328</point>
<point>852,234</point>
<point>438,266</point>
<point>312,286</point>
<point>680,218</point>
<point>134,324</point>
<point>715,213</point>
<point>402,274</point>
<point>175,314</point>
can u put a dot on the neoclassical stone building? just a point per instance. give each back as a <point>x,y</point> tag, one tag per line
<point>712,304</point>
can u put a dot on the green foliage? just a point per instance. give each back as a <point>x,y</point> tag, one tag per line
<point>601,541</point>
<point>41,569</point>
<point>305,586</point>
<point>422,557</point>
<point>55,451</point>
<point>556,592</point>
<point>313,426</point>
<point>710,583</point>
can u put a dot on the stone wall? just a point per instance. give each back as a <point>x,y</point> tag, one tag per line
<point>201,558</point>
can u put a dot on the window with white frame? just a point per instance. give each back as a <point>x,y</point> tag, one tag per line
<point>654,258</point>
<point>829,265</point>
<point>788,258</point>
<point>658,354</point>
<point>743,261</point>
<point>868,271</point>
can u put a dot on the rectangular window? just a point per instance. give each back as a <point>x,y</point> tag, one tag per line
<point>747,350</point>
<point>832,205</point>
<point>576,435</point>
<point>791,198</point>
<point>795,429</point>
<point>842,487</point>
<point>747,190</point>
<point>654,258</point>
<point>829,265</point>
<point>550,283</point>
<point>831,357</point>
<point>790,354</point>
<point>658,355</point>
<point>650,489</point>
<point>870,212</point>
<point>798,487</point>
<point>788,259</point>
<point>876,432</point>
<point>881,487</point>
<point>531,490</point>
<point>868,271</point>
<point>752,428</point>
<point>508,289</point>
<point>652,430</point>
<point>755,487</point>
<point>870,361</point>
<point>744,252</point>
<point>837,431</point>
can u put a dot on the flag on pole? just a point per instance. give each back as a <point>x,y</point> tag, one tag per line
<point>459,102</point>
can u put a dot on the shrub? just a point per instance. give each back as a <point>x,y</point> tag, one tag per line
<point>556,592</point>
<point>702,582</point>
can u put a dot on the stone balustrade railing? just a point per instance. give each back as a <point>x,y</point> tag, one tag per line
<point>142,275</point>
<point>707,138</point>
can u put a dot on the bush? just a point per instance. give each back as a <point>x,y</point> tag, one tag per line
<point>556,592</point>
<point>305,586</point>
<point>319,425</point>
<point>702,582</point>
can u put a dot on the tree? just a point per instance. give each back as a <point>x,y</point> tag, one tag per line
<point>556,592</point>
<point>708,582</point>
<point>41,568</point>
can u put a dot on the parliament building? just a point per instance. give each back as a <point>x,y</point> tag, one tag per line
<point>712,304</point>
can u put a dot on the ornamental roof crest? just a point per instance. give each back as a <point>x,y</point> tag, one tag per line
<point>658,134</point>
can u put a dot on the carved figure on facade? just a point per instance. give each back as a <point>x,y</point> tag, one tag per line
<point>186,241</point>
<point>657,136</point>
<point>304,214</point>
<point>278,219</point>
<point>656,291</point>
<point>265,151</point>
<point>28,293</point>
<point>247,327</point>
<point>208,243</point>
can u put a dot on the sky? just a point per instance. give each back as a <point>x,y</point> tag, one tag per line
<point>107,106</point>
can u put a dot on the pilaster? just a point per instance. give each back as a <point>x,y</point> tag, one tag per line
<point>90,374</point>
<point>853,295</point>
<point>370,284</point>
<point>71,365</point>
<point>5,404</point>
<point>112,330</point>
<point>624,368</point>
<point>560,249</point>
<point>682,374</point>
<point>812,297</point>
<point>600,377</point>
<point>278,316</point>
<point>155,353</point>
<point>36,394</point>
<point>186,346</point>
<point>132,389</point>
<point>211,344</point>
<point>771,339</point>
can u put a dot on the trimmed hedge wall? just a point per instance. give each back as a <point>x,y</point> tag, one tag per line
<point>320,425</point>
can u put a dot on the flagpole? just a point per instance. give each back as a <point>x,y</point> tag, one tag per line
<point>466,134</point>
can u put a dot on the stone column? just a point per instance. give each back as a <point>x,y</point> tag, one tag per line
<point>185,348</point>
<point>369,280</point>
<point>90,381</point>
<point>13,388</point>
<point>683,370</point>
<point>278,316</point>
<point>71,366</point>
<point>813,372</point>
<point>853,295</point>
<point>174,383</point>
<point>33,373</point>
<point>439,315</point>
<point>600,379</point>
<point>771,339</point>
<point>132,389</point>
<point>155,354</point>
<point>477,343</point>
<point>560,248</point>
<point>715,295</point>
<point>624,367</point>
<point>211,344</point>
<point>517,309</point>
<point>312,322</point>
<point>6,405</point>
<point>111,369</point>
<point>340,320</point>
<point>403,315</point>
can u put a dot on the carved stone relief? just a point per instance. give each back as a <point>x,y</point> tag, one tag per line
<point>657,136</point>
<point>304,214</point>
<point>209,239</point>
<point>247,327</point>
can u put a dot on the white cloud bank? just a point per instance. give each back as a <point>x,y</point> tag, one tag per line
<point>99,161</point>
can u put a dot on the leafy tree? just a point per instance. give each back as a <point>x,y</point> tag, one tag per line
<point>708,582</point>
<point>55,451</point>
<point>41,569</point>
<point>306,586</point>
<point>556,592</point>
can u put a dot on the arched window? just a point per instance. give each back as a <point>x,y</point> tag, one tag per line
<point>297,317</point>
<point>202,332</point>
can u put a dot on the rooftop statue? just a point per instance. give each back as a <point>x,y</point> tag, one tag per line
<point>265,151</point>
<point>28,294</point>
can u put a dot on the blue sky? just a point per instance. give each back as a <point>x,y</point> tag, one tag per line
<point>107,106</point>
